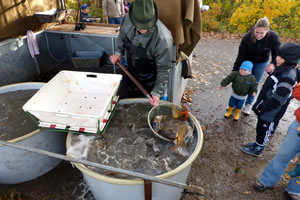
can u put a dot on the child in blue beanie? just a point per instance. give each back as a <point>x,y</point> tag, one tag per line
<point>243,83</point>
<point>84,12</point>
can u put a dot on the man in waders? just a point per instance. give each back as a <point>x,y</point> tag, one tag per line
<point>147,44</point>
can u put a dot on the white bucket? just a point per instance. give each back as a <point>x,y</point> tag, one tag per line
<point>108,188</point>
<point>17,166</point>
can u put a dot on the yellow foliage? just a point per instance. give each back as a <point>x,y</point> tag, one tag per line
<point>250,11</point>
<point>208,20</point>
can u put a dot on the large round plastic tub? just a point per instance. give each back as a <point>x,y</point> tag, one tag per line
<point>108,188</point>
<point>17,166</point>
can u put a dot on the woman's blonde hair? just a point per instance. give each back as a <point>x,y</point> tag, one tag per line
<point>261,23</point>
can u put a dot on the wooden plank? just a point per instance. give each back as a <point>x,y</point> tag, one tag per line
<point>90,29</point>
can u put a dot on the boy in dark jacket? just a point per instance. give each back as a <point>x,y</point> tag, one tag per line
<point>274,97</point>
<point>84,12</point>
<point>243,83</point>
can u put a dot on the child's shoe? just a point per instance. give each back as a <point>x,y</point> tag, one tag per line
<point>247,109</point>
<point>250,144</point>
<point>237,114</point>
<point>254,150</point>
<point>229,112</point>
<point>258,186</point>
<point>292,196</point>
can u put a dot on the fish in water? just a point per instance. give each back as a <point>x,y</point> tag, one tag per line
<point>171,128</point>
<point>161,126</point>
<point>183,131</point>
<point>177,113</point>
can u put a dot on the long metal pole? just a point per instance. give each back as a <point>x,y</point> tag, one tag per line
<point>189,188</point>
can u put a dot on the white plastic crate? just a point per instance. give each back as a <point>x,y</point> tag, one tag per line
<point>76,101</point>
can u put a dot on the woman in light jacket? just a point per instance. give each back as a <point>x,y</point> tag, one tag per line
<point>113,11</point>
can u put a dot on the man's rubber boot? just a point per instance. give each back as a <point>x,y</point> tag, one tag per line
<point>229,112</point>
<point>237,114</point>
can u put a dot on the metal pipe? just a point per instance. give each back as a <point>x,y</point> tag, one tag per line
<point>189,188</point>
<point>63,4</point>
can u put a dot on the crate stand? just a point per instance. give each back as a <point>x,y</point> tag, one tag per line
<point>81,102</point>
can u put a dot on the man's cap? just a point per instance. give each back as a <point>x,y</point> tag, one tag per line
<point>290,52</point>
<point>84,6</point>
<point>299,61</point>
<point>247,65</point>
<point>143,14</point>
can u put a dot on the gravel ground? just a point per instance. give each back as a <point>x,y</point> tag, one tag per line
<point>221,168</point>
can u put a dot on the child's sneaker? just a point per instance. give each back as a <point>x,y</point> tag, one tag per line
<point>254,150</point>
<point>250,144</point>
<point>292,196</point>
<point>247,109</point>
<point>258,186</point>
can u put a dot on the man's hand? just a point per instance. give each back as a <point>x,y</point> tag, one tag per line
<point>270,68</point>
<point>114,58</point>
<point>154,100</point>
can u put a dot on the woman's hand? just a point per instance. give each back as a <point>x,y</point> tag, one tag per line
<point>115,58</point>
<point>270,68</point>
<point>154,100</point>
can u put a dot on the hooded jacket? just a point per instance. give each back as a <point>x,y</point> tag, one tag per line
<point>296,94</point>
<point>276,93</point>
<point>158,43</point>
<point>258,52</point>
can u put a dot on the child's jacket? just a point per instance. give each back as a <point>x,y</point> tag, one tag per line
<point>276,93</point>
<point>296,94</point>
<point>241,85</point>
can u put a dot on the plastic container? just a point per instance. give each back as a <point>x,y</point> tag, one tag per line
<point>17,166</point>
<point>109,188</point>
<point>87,59</point>
<point>76,101</point>
<point>53,15</point>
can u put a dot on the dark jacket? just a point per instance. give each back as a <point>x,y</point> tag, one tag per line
<point>83,15</point>
<point>276,93</point>
<point>241,85</point>
<point>259,51</point>
<point>157,42</point>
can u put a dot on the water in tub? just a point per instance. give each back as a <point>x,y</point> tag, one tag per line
<point>14,122</point>
<point>129,143</point>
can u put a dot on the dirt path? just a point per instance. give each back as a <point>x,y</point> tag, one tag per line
<point>221,168</point>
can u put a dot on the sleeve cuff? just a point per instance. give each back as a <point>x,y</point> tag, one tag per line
<point>155,94</point>
<point>118,53</point>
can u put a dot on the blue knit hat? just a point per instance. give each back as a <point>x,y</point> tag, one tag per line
<point>247,65</point>
<point>84,6</point>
